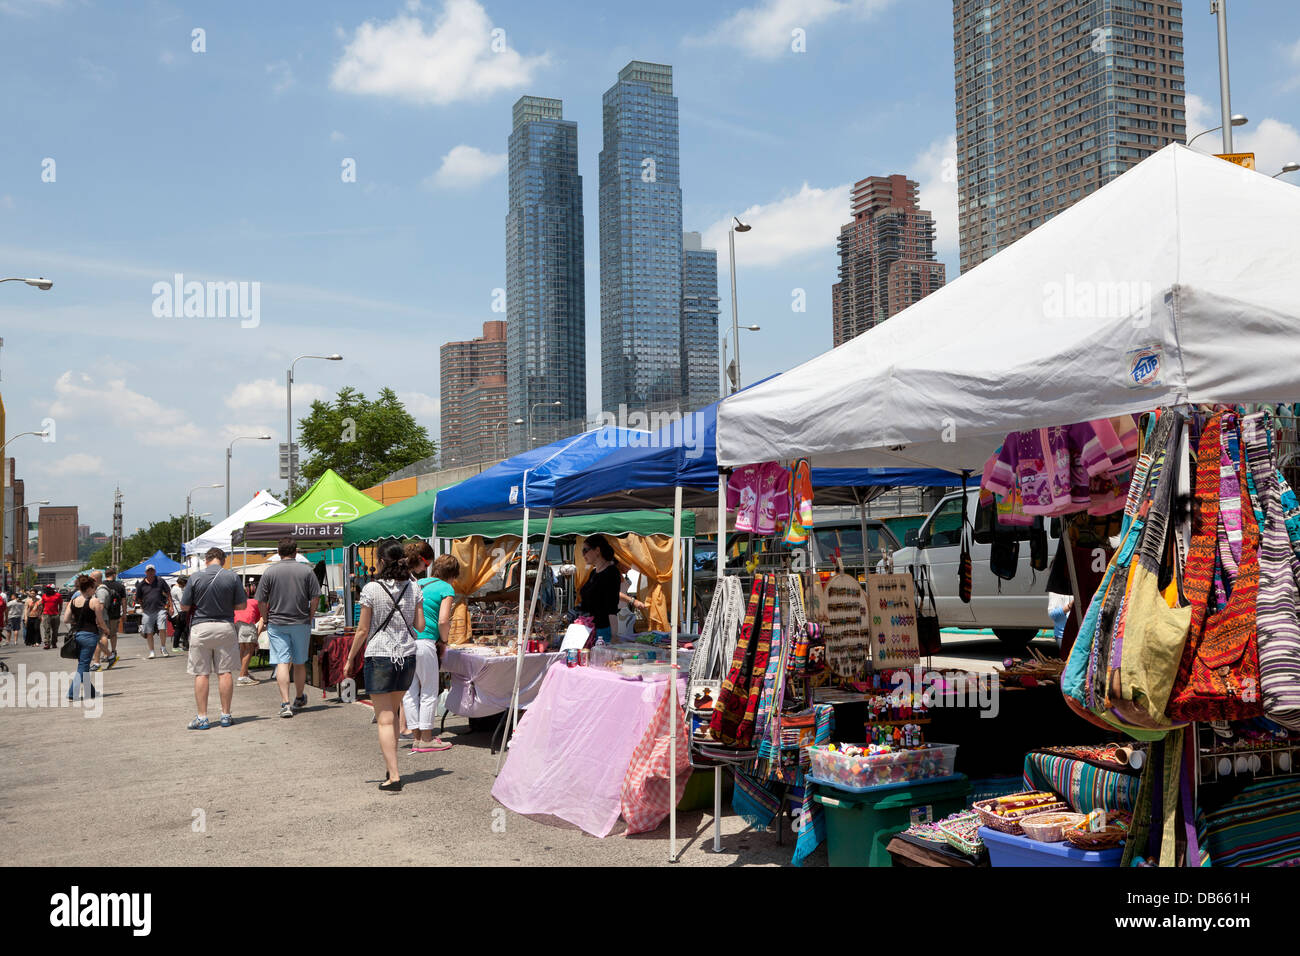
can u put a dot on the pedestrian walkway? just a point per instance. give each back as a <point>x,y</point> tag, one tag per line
<point>287,792</point>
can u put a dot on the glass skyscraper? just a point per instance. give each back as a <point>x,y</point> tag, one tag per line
<point>641,242</point>
<point>699,323</point>
<point>546,339</point>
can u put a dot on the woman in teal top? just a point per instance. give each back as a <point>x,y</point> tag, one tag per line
<point>422,698</point>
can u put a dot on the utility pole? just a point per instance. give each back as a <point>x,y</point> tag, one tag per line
<point>116,560</point>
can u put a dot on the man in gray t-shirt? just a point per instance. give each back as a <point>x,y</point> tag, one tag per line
<point>286,598</point>
<point>213,595</point>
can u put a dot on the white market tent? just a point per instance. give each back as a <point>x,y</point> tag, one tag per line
<point>1178,282</point>
<point>261,506</point>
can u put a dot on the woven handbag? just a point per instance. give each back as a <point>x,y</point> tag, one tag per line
<point>1218,677</point>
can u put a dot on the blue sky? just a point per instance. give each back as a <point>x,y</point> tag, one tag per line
<point>227,165</point>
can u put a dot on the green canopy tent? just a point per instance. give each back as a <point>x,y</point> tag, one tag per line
<point>412,518</point>
<point>316,519</point>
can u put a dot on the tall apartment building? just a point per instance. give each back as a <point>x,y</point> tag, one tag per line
<point>57,535</point>
<point>546,338</point>
<point>886,256</point>
<point>699,342</point>
<point>640,242</point>
<point>14,553</point>
<point>472,390</point>
<point>1055,98</point>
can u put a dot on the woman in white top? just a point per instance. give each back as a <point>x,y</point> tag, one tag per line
<point>392,614</point>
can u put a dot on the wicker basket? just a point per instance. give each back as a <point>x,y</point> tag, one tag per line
<point>1111,836</point>
<point>1010,822</point>
<point>962,833</point>
<point>1049,827</point>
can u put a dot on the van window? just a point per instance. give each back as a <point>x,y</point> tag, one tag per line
<point>945,524</point>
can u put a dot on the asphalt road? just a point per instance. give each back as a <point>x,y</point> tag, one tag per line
<point>133,787</point>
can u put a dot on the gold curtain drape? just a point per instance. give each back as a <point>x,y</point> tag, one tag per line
<point>653,557</point>
<point>479,561</point>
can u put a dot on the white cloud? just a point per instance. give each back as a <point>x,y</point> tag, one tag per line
<point>337,137</point>
<point>788,228</point>
<point>268,394</point>
<point>465,167</point>
<point>461,56</point>
<point>766,30</point>
<point>935,170</point>
<point>78,463</point>
<point>78,395</point>
<point>282,76</point>
<point>1273,141</point>
<point>420,405</point>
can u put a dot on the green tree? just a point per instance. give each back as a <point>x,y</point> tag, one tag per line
<point>364,441</point>
<point>164,536</point>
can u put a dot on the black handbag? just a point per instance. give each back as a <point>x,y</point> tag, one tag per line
<point>70,650</point>
<point>928,634</point>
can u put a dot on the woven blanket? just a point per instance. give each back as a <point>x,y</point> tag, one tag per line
<point>1082,785</point>
<point>1260,826</point>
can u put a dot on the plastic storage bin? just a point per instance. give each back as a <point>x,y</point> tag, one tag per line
<point>859,826</point>
<point>863,772</point>
<point>1007,850</point>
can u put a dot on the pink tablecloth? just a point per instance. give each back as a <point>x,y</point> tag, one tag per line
<point>572,749</point>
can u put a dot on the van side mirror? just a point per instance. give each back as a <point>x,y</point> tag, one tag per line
<point>912,538</point>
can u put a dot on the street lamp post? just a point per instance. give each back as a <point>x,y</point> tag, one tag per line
<point>185,528</point>
<point>40,434</point>
<point>1236,120</point>
<point>1220,9</point>
<point>735,321</point>
<point>3,535</point>
<point>229,452</point>
<point>1287,168</point>
<point>554,404</point>
<point>288,406</point>
<point>747,328</point>
<point>42,283</point>
<point>496,433</point>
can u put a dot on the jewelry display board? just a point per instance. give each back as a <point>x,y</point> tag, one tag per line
<point>848,649</point>
<point>891,616</point>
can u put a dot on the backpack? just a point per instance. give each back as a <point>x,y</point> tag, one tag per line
<point>116,597</point>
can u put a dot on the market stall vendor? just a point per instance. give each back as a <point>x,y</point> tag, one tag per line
<point>600,595</point>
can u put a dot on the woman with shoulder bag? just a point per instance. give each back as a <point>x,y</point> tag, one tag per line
<point>85,614</point>
<point>392,614</point>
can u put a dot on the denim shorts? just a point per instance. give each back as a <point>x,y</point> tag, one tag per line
<point>289,642</point>
<point>384,675</point>
<point>154,622</point>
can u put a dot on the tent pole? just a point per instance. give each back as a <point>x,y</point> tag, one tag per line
<point>671,689</point>
<point>519,639</point>
<point>532,609</point>
<point>690,586</point>
<point>720,566</point>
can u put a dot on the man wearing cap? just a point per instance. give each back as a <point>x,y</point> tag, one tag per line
<point>154,599</point>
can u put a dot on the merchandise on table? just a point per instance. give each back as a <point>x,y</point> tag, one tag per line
<point>961,832</point>
<point>1007,849</point>
<point>1099,831</point>
<point>861,767</point>
<point>1005,813</point>
<point>1050,827</point>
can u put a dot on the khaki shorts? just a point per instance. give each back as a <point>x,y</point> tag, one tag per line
<point>247,633</point>
<point>213,647</point>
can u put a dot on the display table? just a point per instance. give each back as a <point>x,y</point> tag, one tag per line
<point>482,682</point>
<point>571,752</point>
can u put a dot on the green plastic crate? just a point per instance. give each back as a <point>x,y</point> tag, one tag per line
<point>859,826</point>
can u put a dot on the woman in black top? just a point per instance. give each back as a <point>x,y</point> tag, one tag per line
<point>600,595</point>
<point>85,613</point>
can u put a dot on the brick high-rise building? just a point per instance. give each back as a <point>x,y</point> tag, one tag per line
<point>57,541</point>
<point>886,256</point>
<point>1055,98</point>
<point>473,388</point>
<point>14,554</point>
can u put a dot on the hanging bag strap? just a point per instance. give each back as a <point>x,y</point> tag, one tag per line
<point>393,610</point>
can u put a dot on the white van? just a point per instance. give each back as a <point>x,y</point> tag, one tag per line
<point>1015,612</point>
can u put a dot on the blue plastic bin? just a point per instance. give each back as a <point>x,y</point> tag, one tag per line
<point>1007,850</point>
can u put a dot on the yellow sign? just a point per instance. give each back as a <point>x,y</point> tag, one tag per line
<point>1241,159</point>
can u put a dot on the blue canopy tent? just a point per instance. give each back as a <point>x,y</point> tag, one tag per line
<point>162,564</point>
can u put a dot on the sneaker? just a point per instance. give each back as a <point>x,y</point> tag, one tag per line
<point>111,661</point>
<point>300,702</point>
<point>246,681</point>
<point>199,723</point>
<point>93,667</point>
<point>150,657</point>
<point>226,720</point>
<point>164,653</point>
<point>286,709</point>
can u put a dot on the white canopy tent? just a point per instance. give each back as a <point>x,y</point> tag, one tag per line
<point>1179,282</point>
<point>261,506</point>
